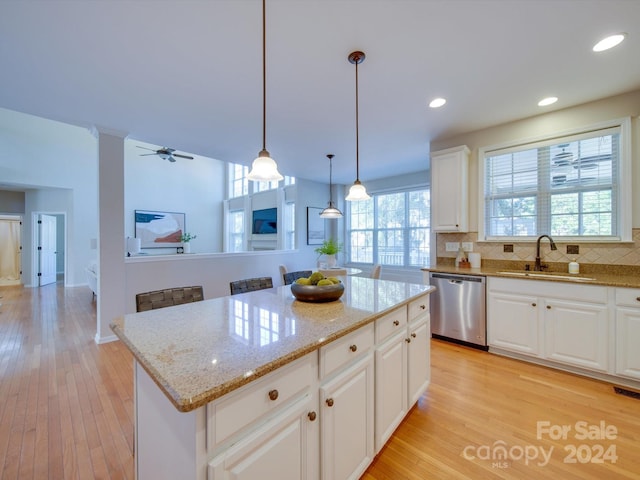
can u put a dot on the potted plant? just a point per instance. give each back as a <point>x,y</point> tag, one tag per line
<point>185,238</point>
<point>329,249</point>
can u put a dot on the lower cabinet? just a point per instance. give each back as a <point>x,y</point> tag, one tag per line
<point>402,365</point>
<point>576,333</point>
<point>346,422</point>
<point>565,323</point>
<point>315,418</point>
<point>628,332</point>
<point>513,322</point>
<point>391,386</point>
<point>283,448</point>
<point>419,359</point>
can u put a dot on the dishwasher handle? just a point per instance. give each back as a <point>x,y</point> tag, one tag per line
<point>457,279</point>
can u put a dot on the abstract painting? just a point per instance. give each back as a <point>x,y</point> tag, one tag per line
<point>159,229</point>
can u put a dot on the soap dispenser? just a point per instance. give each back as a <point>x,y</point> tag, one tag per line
<point>574,267</point>
<point>460,257</point>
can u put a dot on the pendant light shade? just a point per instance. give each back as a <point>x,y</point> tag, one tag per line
<point>264,168</point>
<point>357,191</point>
<point>331,211</point>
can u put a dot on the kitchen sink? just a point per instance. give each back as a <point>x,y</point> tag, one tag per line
<point>557,276</point>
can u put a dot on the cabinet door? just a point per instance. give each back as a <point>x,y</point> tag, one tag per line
<point>391,386</point>
<point>627,342</point>
<point>512,322</point>
<point>283,448</point>
<point>576,333</point>
<point>418,360</point>
<point>449,190</point>
<point>346,422</point>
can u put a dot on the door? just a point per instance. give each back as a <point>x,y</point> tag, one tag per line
<point>347,422</point>
<point>513,322</point>
<point>280,449</point>
<point>576,333</point>
<point>10,247</point>
<point>47,233</point>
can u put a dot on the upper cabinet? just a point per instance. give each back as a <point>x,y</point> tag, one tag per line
<point>450,190</point>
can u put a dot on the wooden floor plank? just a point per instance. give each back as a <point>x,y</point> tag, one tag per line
<point>66,405</point>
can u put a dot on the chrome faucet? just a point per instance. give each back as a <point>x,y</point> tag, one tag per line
<point>538,265</point>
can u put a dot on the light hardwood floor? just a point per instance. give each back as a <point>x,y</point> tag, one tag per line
<point>66,407</point>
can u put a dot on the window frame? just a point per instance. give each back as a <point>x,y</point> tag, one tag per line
<point>624,184</point>
<point>376,231</point>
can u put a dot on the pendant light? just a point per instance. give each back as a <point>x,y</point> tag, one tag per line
<point>357,191</point>
<point>331,211</point>
<point>264,168</point>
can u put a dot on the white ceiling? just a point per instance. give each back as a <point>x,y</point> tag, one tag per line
<point>188,74</point>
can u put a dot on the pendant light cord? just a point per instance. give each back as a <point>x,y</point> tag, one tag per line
<point>357,130</point>
<point>264,76</point>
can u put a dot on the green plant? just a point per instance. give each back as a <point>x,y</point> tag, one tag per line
<point>187,237</point>
<point>329,247</point>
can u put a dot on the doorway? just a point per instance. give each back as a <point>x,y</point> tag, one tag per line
<point>10,250</point>
<point>49,247</point>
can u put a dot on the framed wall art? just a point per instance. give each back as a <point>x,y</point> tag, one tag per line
<point>315,226</point>
<point>159,229</point>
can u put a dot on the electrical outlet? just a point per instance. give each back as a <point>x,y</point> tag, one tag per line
<point>452,246</point>
<point>467,246</point>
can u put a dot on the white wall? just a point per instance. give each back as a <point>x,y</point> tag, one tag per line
<point>41,156</point>
<point>194,187</point>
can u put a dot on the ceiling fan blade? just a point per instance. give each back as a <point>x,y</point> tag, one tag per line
<point>147,154</point>
<point>171,159</point>
<point>140,146</point>
<point>182,156</point>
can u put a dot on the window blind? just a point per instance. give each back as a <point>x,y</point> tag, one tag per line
<point>565,187</point>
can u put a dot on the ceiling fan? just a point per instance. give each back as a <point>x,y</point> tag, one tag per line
<point>165,153</point>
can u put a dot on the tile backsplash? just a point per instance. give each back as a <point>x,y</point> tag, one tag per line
<point>627,253</point>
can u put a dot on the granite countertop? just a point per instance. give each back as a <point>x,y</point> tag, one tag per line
<point>200,351</point>
<point>590,274</point>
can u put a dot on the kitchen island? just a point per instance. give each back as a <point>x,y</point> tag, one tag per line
<point>260,382</point>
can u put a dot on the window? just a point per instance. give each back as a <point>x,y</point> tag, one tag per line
<point>238,182</point>
<point>565,187</point>
<point>391,229</point>
<point>236,231</point>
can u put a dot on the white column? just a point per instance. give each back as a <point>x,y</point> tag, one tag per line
<point>111,240</point>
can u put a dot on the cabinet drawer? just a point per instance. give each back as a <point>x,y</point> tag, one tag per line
<point>391,323</point>
<point>339,353</point>
<point>629,297</point>
<point>418,306</point>
<point>236,410</point>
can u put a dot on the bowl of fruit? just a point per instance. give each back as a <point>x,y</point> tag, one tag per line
<point>317,288</point>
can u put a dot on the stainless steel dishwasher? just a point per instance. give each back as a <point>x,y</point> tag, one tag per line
<point>458,308</point>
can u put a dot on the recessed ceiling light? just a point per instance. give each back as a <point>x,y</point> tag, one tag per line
<point>608,42</point>
<point>547,101</point>
<point>437,102</point>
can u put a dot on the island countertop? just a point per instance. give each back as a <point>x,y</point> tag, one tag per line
<point>199,351</point>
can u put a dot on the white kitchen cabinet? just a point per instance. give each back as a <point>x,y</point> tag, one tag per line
<point>576,333</point>
<point>628,332</point>
<point>402,365</point>
<point>346,421</point>
<point>512,322</point>
<point>284,448</point>
<point>561,322</point>
<point>450,190</point>
<point>391,386</point>
<point>419,359</point>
